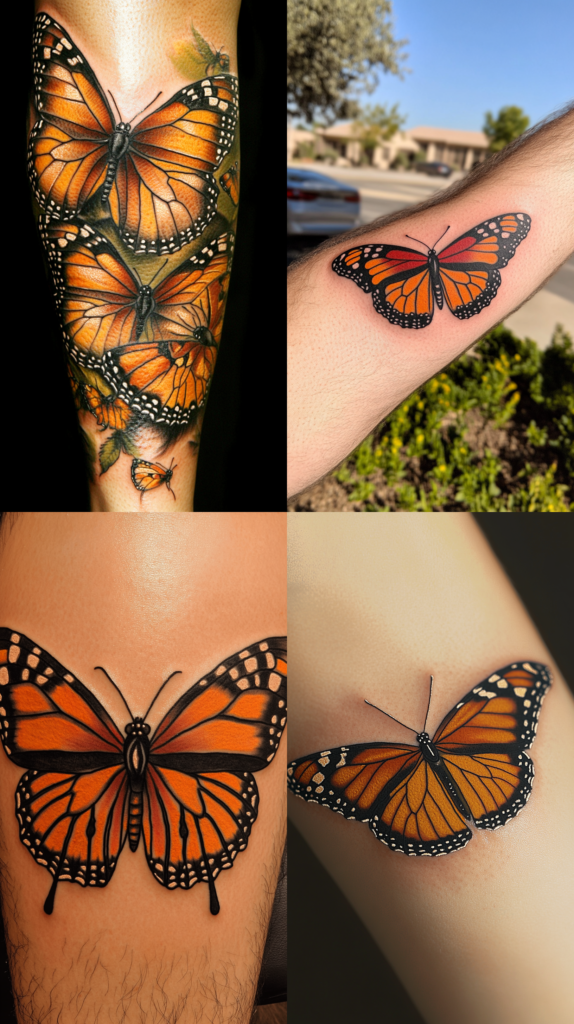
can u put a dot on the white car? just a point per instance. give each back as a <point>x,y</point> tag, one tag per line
<point>318,205</point>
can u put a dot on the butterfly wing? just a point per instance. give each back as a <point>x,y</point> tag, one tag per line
<point>146,476</point>
<point>109,412</point>
<point>230,183</point>
<point>70,803</point>
<point>68,148</point>
<point>164,193</point>
<point>389,786</point>
<point>191,295</point>
<point>483,740</point>
<point>202,799</point>
<point>95,290</point>
<point>398,279</point>
<point>469,267</point>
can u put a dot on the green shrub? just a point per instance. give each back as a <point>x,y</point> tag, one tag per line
<point>492,433</point>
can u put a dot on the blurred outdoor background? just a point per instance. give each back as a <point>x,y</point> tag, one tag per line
<point>388,103</point>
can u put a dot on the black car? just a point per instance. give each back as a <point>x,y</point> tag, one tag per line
<point>434,167</point>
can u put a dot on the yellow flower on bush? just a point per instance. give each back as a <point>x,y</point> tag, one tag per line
<point>420,438</point>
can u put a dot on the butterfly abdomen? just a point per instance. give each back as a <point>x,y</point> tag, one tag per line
<point>117,148</point>
<point>435,277</point>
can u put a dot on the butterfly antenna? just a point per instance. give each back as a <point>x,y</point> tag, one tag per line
<point>117,688</point>
<point>158,272</point>
<point>116,106</point>
<point>137,274</point>
<point>442,236</point>
<point>145,108</point>
<point>176,673</point>
<point>391,716</point>
<point>430,695</point>
<point>427,247</point>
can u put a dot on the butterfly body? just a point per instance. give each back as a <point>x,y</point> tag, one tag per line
<point>136,757</point>
<point>419,800</point>
<point>144,307</point>
<point>187,787</point>
<point>118,145</point>
<point>405,284</point>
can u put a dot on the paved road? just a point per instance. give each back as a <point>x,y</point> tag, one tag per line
<point>384,192</point>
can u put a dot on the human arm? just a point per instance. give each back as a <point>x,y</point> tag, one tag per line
<point>349,367</point>
<point>484,932</point>
<point>138,225</point>
<point>142,601</point>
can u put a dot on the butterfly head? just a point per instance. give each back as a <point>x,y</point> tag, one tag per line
<point>137,728</point>
<point>204,336</point>
<point>423,737</point>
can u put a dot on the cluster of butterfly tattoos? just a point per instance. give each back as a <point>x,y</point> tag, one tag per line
<point>117,200</point>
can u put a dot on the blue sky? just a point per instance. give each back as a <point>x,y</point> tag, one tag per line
<point>466,58</point>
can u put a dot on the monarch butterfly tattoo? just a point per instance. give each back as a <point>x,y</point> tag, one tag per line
<point>146,476</point>
<point>419,800</point>
<point>156,177</point>
<point>405,283</point>
<point>188,788</point>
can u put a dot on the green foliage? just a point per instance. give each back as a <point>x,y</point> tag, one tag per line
<point>493,433</point>
<point>507,126</point>
<point>377,124</point>
<point>119,442</point>
<point>195,59</point>
<point>334,47</point>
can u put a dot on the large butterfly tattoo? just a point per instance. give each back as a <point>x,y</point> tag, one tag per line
<point>156,177</point>
<point>405,284</point>
<point>188,788</point>
<point>418,800</point>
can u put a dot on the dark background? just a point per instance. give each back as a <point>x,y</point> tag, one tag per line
<point>537,552</point>
<point>242,454</point>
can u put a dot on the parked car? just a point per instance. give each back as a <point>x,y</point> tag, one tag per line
<point>318,205</point>
<point>434,168</point>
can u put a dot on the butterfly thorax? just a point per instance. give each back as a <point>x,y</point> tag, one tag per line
<point>145,305</point>
<point>429,752</point>
<point>136,753</point>
<point>118,146</point>
<point>435,279</point>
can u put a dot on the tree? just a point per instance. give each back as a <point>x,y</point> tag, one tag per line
<point>333,48</point>
<point>377,124</point>
<point>510,123</point>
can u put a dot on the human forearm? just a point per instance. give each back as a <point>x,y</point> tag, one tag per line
<point>373,608</point>
<point>138,223</point>
<point>349,366</point>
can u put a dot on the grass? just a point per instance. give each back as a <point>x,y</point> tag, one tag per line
<point>492,433</point>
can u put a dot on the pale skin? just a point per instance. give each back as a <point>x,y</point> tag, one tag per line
<point>349,367</point>
<point>142,597</point>
<point>376,606</point>
<point>131,47</point>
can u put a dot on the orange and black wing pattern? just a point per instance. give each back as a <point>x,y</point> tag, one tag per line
<point>405,284</point>
<point>389,786</point>
<point>484,739</point>
<point>68,148</point>
<point>108,410</point>
<point>469,267</point>
<point>229,182</point>
<point>398,278</point>
<point>164,193</point>
<point>97,294</point>
<point>70,803</point>
<point>202,799</point>
<point>147,476</point>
